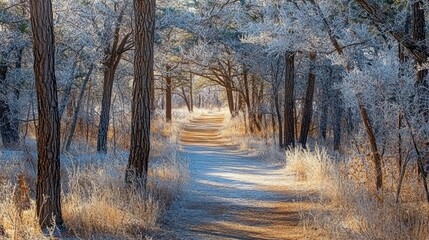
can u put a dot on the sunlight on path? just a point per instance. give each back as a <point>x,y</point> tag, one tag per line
<point>232,195</point>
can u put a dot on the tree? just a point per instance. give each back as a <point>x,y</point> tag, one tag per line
<point>308,104</point>
<point>115,46</point>
<point>48,134</point>
<point>289,112</point>
<point>144,33</point>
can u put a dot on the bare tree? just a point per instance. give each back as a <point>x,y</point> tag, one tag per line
<point>48,134</point>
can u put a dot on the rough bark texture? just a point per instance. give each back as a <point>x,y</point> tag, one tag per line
<point>168,97</point>
<point>289,121</point>
<point>308,105</point>
<point>48,134</point>
<point>144,30</point>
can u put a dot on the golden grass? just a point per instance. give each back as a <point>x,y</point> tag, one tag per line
<point>95,201</point>
<point>348,206</point>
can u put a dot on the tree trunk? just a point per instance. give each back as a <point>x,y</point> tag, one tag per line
<point>247,98</point>
<point>323,124</point>
<point>48,201</point>
<point>289,122</point>
<point>419,35</point>
<point>168,97</point>
<point>279,117</point>
<point>230,97</point>
<point>77,108</point>
<point>308,105</point>
<point>113,54</point>
<point>103,127</point>
<point>8,126</point>
<point>373,143</point>
<point>185,98</point>
<point>191,92</point>
<point>336,125</point>
<point>144,13</point>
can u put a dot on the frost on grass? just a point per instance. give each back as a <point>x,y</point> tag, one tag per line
<point>347,208</point>
<point>95,200</point>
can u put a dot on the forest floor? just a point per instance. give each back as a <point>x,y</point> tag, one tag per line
<point>231,193</point>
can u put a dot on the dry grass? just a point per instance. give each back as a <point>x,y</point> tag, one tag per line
<point>95,202</point>
<point>348,208</point>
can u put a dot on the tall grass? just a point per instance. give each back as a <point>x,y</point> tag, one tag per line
<point>95,201</point>
<point>96,204</point>
<point>348,208</point>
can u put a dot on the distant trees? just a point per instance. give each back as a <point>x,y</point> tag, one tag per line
<point>144,34</point>
<point>48,135</point>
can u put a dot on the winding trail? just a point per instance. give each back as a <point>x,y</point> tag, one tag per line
<point>232,195</point>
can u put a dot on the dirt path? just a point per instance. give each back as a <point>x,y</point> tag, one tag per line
<point>232,195</point>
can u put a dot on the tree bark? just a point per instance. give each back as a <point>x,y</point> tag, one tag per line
<point>247,97</point>
<point>230,97</point>
<point>185,98</point>
<point>113,55</point>
<point>308,105</point>
<point>419,35</point>
<point>144,30</point>
<point>336,124</point>
<point>106,102</point>
<point>279,117</point>
<point>48,202</point>
<point>373,143</point>
<point>168,96</point>
<point>191,92</point>
<point>289,122</point>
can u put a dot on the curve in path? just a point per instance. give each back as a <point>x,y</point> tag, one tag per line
<point>232,195</point>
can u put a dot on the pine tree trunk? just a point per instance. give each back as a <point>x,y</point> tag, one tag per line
<point>308,105</point>
<point>48,201</point>
<point>144,13</point>
<point>289,121</point>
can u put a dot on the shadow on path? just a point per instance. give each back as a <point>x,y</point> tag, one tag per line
<point>231,195</point>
